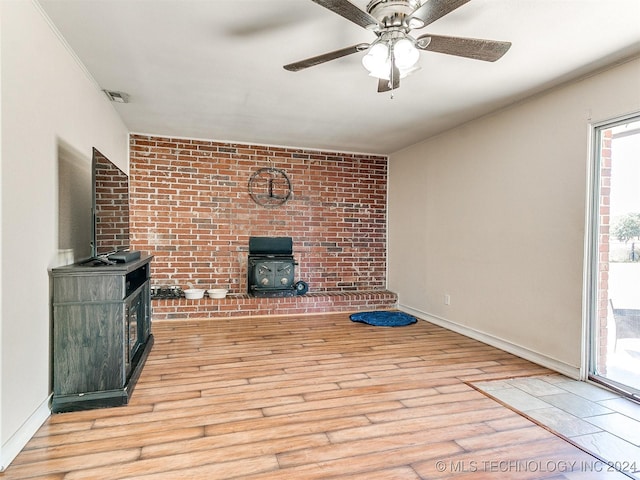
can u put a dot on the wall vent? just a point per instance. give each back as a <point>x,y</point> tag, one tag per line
<point>118,97</point>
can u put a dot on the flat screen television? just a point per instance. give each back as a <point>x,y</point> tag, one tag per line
<point>110,207</point>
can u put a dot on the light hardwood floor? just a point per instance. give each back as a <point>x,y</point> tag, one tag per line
<point>311,397</point>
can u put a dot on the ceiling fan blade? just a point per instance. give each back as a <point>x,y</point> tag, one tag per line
<point>326,57</point>
<point>383,85</point>
<point>475,48</point>
<point>386,85</point>
<point>349,11</point>
<point>432,10</point>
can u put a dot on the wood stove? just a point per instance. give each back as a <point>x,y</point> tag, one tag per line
<point>271,267</point>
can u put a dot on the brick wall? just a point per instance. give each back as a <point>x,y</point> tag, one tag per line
<point>190,207</point>
<point>603,251</point>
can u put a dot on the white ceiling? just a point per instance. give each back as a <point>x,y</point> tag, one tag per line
<point>213,69</point>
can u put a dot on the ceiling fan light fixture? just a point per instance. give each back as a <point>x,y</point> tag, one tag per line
<point>382,71</point>
<point>405,53</point>
<point>406,71</point>
<point>377,58</point>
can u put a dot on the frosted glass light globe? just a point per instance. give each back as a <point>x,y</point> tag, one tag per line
<point>376,57</point>
<point>406,54</point>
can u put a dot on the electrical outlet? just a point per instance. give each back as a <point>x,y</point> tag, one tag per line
<point>447,299</point>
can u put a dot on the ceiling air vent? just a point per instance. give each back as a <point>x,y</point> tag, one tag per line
<point>118,97</point>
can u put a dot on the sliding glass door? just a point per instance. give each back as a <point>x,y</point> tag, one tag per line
<point>614,289</point>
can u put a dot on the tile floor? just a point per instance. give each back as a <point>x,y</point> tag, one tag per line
<point>593,418</point>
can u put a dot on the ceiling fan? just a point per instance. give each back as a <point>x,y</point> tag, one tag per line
<point>395,53</point>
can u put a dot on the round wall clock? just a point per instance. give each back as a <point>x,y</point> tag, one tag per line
<point>269,187</point>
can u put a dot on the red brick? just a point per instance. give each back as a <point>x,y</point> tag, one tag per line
<point>196,190</point>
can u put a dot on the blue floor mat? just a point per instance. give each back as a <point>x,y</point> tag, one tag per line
<point>383,318</point>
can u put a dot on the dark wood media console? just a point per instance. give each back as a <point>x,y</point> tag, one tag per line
<point>101,333</point>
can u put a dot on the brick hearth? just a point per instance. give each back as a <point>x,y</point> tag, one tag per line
<point>242,305</point>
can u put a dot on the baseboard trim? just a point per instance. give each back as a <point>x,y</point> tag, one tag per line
<point>18,440</point>
<point>518,350</point>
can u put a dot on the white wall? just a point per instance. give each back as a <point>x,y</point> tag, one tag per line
<point>492,213</point>
<point>47,101</point>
